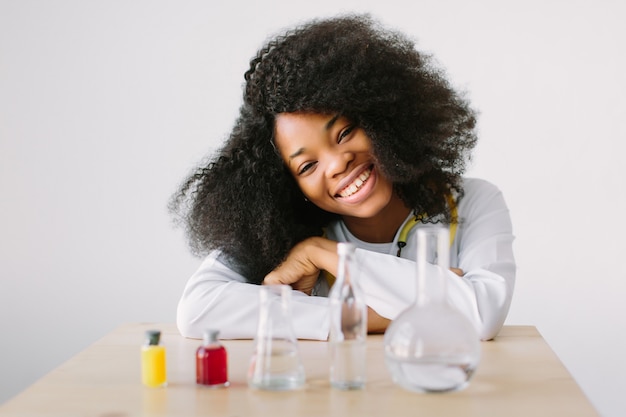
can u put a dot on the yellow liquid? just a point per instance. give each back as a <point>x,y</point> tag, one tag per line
<point>153,368</point>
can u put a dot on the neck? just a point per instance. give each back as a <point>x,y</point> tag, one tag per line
<point>383,226</point>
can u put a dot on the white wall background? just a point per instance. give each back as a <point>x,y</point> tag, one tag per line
<point>106,105</point>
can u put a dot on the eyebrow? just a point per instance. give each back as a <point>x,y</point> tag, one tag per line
<point>329,125</point>
<point>332,121</point>
<point>296,153</point>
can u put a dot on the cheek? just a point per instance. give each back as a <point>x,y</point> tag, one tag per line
<point>310,188</point>
<point>387,187</point>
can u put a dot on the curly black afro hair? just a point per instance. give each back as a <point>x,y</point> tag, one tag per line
<point>244,201</point>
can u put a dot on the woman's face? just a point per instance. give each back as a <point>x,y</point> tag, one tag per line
<point>332,162</point>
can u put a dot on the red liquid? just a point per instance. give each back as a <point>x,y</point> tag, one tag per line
<point>211,366</point>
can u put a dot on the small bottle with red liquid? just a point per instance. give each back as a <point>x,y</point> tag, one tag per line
<point>212,361</point>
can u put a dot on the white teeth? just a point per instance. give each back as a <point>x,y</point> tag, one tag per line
<point>356,185</point>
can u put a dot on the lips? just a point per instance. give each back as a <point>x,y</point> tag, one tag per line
<point>356,185</point>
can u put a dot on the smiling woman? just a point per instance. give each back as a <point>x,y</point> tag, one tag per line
<point>334,166</point>
<point>346,133</point>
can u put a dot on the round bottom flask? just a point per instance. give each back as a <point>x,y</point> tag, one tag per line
<point>431,346</point>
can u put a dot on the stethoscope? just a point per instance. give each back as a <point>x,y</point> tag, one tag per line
<point>409,225</point>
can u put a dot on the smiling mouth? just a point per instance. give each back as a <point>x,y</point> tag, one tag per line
<point>356,184</point>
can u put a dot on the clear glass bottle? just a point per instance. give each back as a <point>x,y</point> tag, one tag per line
<point>432,346</point>
<point>275,364</point>
<point>212,361</point>
<point>153,364</point>
<point>348,324</point>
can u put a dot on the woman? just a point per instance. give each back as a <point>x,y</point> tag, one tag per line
<point>346,133</point>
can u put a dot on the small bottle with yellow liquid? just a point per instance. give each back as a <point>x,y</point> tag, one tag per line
<point>153,365</point>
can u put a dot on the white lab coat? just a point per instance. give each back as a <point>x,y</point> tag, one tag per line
<point>218,297</point>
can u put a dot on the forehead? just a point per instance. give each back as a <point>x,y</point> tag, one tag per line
<point>296,122</point>
<point>291,128</point>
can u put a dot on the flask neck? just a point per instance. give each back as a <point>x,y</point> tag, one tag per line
<point>348,311</point>
<point>275,313</point>
<point>345,269</point>
<point>433,260</point>
<point>431,284</point>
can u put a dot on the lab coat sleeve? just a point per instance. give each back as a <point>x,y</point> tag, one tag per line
<point>485,254</point>
<point>218,297</point>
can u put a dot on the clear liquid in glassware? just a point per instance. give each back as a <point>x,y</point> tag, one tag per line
<point>347,360</point>
<point>430,375</point>
<point>281,370</point>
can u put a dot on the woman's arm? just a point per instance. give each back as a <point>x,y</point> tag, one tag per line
<point>308,258</point>
<point>480,284</point>
<point>218,297</point>
<point>482,251</point>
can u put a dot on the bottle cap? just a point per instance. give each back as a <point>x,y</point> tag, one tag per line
<point>210,336</point>
<point>153,337</point>
<point>344,248</point>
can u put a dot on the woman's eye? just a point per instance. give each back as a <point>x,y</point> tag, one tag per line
<point>345,133</point>
<point>306,167</point>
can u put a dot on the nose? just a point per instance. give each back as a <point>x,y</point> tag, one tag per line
<point>338,162</point>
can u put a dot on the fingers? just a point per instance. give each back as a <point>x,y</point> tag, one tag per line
<point>457,271</point>
<point>272,279</point>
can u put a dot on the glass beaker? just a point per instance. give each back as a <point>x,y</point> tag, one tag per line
<point>431,346</point>
<point>275,363</point>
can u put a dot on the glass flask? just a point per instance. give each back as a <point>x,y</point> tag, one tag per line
<point>431,346</point>
<point>348,324</point>
<point>275,363</point>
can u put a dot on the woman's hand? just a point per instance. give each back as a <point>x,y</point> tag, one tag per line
<point>304,263</point>
<point>457,271</point>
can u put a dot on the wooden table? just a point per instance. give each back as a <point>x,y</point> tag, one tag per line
<point>519,375</point>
